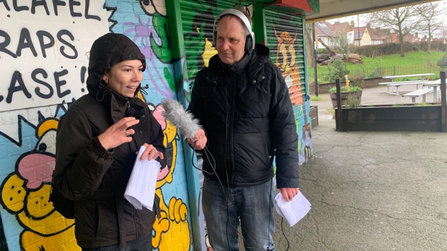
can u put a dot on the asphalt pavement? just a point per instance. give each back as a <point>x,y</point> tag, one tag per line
<point>371,190</point>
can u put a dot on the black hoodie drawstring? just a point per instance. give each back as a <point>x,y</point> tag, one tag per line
<point>100,90</point>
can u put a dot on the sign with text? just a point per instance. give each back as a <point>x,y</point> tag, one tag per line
<point>44,47</point>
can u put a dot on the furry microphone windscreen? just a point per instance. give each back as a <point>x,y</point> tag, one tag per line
<point>183,120</point>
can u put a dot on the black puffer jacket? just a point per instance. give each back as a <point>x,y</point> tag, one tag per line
<point>247,115</point>
<point>88,174</point>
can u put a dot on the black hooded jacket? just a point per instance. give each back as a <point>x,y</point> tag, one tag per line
<point>246,112</point>
<point>88,174</point>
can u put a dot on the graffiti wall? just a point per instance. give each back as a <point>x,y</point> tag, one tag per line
<point>285,38</point>
<point>44,48</point>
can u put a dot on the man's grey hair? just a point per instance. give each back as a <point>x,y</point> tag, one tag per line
<point>246,31</point>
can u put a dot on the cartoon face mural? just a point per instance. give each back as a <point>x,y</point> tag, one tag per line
<point>25,194</point>
<point>152,7</point>
<point>173,219</point>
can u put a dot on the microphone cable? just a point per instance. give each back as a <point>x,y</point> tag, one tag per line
<point>282,219</point>
<point>284,234</point>
<point>213,166</point>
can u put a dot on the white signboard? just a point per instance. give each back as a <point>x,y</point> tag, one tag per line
<point>44,49</point>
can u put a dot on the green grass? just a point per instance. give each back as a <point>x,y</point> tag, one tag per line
<point>412,63</point>
<point>316,98</point>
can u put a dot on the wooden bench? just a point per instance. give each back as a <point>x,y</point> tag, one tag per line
<point>396,85</point>
<point>417,93</point>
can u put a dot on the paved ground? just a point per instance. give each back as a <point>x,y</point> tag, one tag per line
<point>371,190</point>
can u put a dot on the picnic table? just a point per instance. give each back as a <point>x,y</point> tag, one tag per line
<point>422,75</point>
<point>395,84</point>
<point>417,93</point>
<point>434,84</point>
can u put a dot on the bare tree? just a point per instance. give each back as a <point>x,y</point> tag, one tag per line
<point>341,44</point>
<point>431,20</point>
<point>400,20</point>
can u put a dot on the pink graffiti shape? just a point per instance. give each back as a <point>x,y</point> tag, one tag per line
<point>36,168</point>
<point>158,114</point>
<point>163,173</point>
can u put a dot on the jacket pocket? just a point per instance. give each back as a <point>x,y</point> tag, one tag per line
<point>251,158</point>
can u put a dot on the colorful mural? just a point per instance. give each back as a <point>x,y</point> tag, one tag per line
<point>285,39</point>
<point>25,193</point>
<point>287,63</point>
<point>286,60</point>
<point>173,219</point>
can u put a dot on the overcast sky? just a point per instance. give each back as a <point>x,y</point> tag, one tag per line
<point>363,18</point>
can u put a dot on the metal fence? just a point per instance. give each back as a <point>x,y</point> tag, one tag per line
<point>411,69</point>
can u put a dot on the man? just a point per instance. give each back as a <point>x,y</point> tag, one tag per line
<point>243,103</point>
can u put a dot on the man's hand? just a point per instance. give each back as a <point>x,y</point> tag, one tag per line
<point>200,140</point>
<point>288,193</point>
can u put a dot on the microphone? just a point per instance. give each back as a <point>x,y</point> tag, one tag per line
<point>183,120</point>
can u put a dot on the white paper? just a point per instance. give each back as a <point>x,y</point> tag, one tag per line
<point>294,210</point>
<point>140,190</point>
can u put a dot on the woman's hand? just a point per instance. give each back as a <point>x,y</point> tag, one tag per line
<point>119,133</point>
<point>151,152</point>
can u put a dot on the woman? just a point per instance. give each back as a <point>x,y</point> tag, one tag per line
<point>96,146</point>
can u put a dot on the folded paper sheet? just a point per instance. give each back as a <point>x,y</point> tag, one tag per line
<point>140,190</point>
<point>294,210</point>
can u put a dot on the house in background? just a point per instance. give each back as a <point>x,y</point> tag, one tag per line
<point>361,36</point>
<point>378,35</point>
<point>407,38</point>
<point>443,40</point>
<point>325,32</point>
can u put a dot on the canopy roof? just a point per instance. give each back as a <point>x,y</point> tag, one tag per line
<point>330,9</point>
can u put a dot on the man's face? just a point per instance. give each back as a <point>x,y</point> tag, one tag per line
<point>230,41</point>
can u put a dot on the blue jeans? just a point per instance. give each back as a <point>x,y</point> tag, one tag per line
<point>252,206</point>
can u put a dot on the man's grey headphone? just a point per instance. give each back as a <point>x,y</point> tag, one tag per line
<point>249,40</point>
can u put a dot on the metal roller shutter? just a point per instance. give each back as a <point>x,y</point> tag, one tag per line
<point>197,21</point>
<point>285,38</point>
